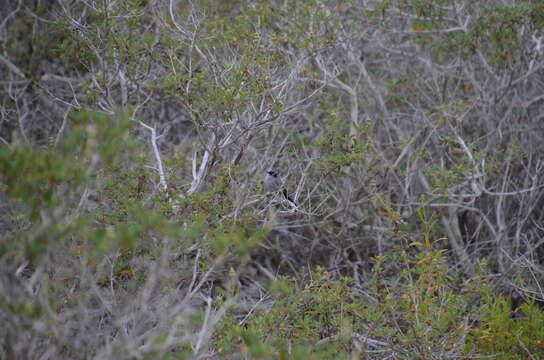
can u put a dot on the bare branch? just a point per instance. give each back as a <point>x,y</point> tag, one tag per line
<point>156,152</point>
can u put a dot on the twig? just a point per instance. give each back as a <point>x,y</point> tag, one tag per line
<point>204,329</point>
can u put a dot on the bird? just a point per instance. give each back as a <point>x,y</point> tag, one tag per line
<point>273,183</point>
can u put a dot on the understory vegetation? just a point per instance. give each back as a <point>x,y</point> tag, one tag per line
<point>135,136</point>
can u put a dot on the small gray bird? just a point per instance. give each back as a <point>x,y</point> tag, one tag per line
<point>273,183</point>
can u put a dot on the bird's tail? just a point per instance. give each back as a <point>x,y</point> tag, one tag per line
<point>287,196</point>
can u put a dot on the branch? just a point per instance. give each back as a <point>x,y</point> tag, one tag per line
<point>198,176</point>
<point>160,168</point>
<point>12,67</point>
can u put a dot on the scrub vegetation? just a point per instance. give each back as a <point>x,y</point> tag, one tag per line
<point>135,136</point>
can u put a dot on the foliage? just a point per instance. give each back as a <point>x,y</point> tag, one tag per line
<point>135,135</point>
<point>424,314</point>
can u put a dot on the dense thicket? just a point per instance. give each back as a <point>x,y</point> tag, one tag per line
<point>135,136</point>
